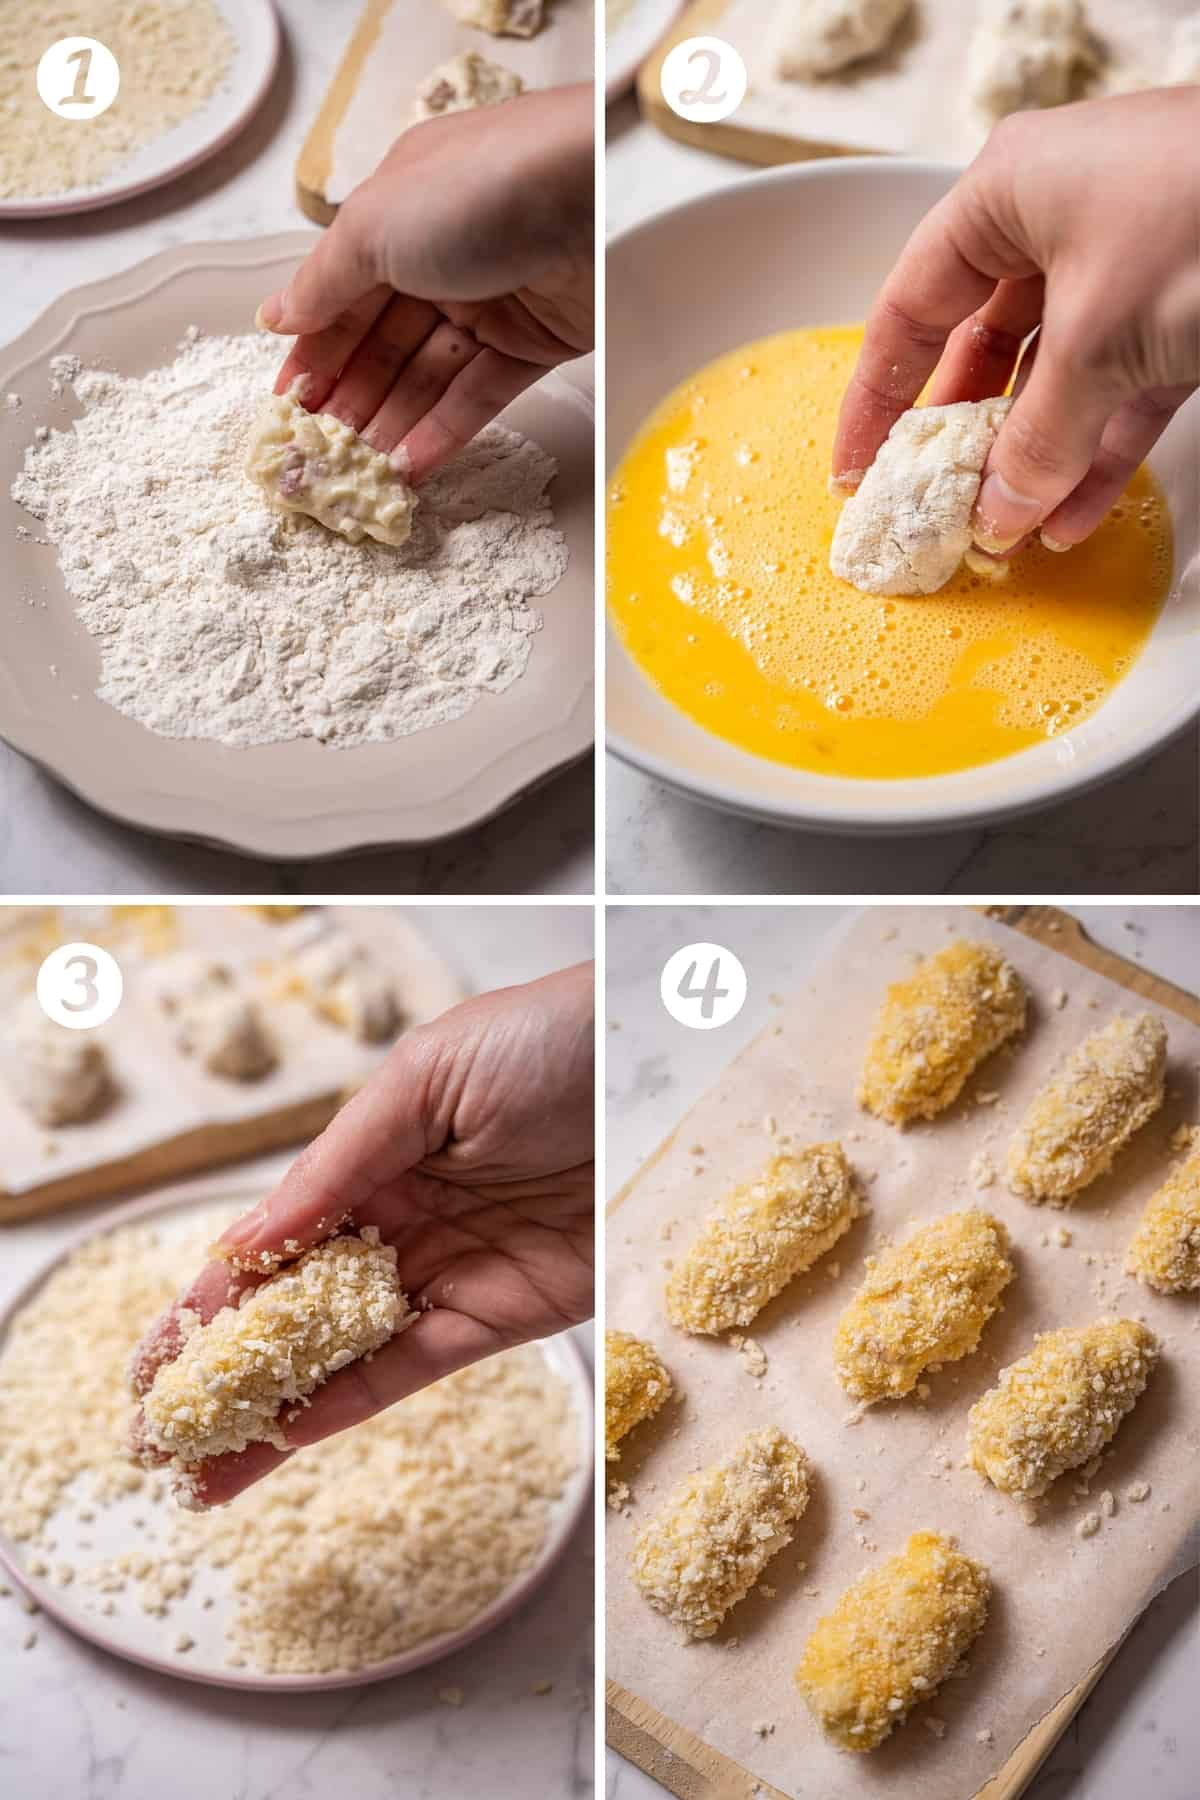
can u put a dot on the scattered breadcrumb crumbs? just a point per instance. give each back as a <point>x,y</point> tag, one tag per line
<point>184,1642</point>
<point>1108,1503</point>
<point>982,1171</point>
<point>542,1687</point>
<point>1140,1490</point>
<point>1058,999</point>
<point>754,1357</point>
<point>450,1696</point>
<point>1088,1526</point>
<point>29,1640</point>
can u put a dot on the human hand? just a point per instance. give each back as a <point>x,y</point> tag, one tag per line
<point>471,1150</point>
<point>1082,224</point>
<point>451,279</point>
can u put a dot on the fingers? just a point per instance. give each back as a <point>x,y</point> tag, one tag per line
<point>932,289</point>
<point>1128,439</point>
<point>982,352</point>
<point>318,358</point>
<point>477,395</point>
<point>333,278</point>
<point>380,359</point>
<point>1044,449</point>
<point>439,1343</point>
<point>421,385</point>
<point>377,1135</point>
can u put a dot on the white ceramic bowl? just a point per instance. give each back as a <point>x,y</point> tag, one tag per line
<point>809,244</point>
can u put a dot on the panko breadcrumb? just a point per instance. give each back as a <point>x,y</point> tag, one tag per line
<point>762,1235</point>
<point>1165,1252</point>
<point>636,1384</point>
<point>892,1639</point>
<point>935,1029</point>
<point>357,1549</point>
<point>1057,1407</point>
<point>719,1529</point>
<point>1109,1086</point>
<point>339,1301</point>
<point>924,1301</point>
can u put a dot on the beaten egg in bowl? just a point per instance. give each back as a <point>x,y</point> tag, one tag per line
<point>719,528</point>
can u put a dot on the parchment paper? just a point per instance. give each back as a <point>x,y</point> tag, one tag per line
<point>912,99</point>
<point>1059,1601</point>
<point>163,1093</point>
<point>417,35</point>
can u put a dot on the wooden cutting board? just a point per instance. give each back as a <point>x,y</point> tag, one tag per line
<point>906,101</point>
<point>170,1118</point>
<point>682,1762</point>
<point>395,44</point>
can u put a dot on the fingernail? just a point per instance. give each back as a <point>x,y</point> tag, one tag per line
<point>842,486</point>
<point>1054,544</point>
<point>269,313</point>
<point>1002,516</point>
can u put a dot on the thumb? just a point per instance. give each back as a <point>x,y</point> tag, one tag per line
<point>336,273</point>
<point>1043,450</point>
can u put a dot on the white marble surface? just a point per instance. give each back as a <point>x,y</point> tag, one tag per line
<point>49,841</point>
<point>1138,835</point>
<point>76,1724</point>
<point>1139,1733</point>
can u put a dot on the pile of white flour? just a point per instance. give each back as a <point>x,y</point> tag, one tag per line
<point>217,618</point>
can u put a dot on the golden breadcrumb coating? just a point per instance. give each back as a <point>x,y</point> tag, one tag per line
<point>892,1638</point>
<point>1165,1252</point>
<point>1059,1405</point>
<point>1094,1102</point>
<point>935,1029</point>
<point>719,1529</point>
<point>635,1385</point>
<point>760,1236</point>
<point>924,1301</point>
<point>225,1388</point>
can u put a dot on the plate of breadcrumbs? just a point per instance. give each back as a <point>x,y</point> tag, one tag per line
<point>192,75</point>
<point>368,1555</point>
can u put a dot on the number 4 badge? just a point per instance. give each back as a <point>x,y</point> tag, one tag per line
<point>703,986</point>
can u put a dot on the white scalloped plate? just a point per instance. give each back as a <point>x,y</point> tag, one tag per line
<point>130,1633</point>
<point>254,25</point>
<point>282,801</point>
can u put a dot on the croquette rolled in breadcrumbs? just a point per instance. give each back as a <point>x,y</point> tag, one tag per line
<point>225,1388</point>
<point>923,1301</point>
<point>760,1236</point>
<point>719,1529</point>
<point>636,1384</point>
<point>892,1638</point>
<point>935,1029</point>
<point>1059,1405</point>
<point>1093,1103</point>
<point>1165,1252</point>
